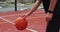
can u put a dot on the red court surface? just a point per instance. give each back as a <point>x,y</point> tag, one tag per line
<point>36,21</point>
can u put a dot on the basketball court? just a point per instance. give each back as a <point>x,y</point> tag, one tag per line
<point>36,21</point>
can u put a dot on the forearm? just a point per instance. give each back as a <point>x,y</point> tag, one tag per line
<point>52,5</point>
<point>34,7</point>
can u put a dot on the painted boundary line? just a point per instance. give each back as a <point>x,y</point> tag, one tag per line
<point>3,23</point>
<point>22,14</point>
<point>16,14</point>
<point>14,23</point>
<point>12,15</point>
<point>29,17</point>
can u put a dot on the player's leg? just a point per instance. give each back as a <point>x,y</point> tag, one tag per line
<point>52,28</point>
<point>53,25</point>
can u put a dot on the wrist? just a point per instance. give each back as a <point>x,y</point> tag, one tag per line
<point>49,11</point>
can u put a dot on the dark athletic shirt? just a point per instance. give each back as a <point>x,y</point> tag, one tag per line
<point>46,4</point>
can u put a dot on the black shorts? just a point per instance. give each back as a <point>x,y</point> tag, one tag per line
<point>54,24</point>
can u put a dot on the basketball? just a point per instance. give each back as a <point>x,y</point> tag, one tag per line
<point>21,23</point>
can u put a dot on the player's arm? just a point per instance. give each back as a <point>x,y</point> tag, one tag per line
<point>52,5</point>
<point>37,3</point>
<point>51,10</point>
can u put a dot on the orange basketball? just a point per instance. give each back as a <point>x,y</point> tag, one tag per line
<point>21,23</point>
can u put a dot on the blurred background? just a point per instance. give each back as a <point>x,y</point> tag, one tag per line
<point>9,5</point>
<point>8,16</point>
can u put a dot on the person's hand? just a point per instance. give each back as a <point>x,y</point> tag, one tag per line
<point>25,15</point>
<point>49,16</point>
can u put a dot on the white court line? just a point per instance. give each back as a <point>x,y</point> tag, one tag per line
<point>22,14</point>
<point>16,14</point>
<point>12,15</point>
<point>3,23</point>
<point>14,23</point>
